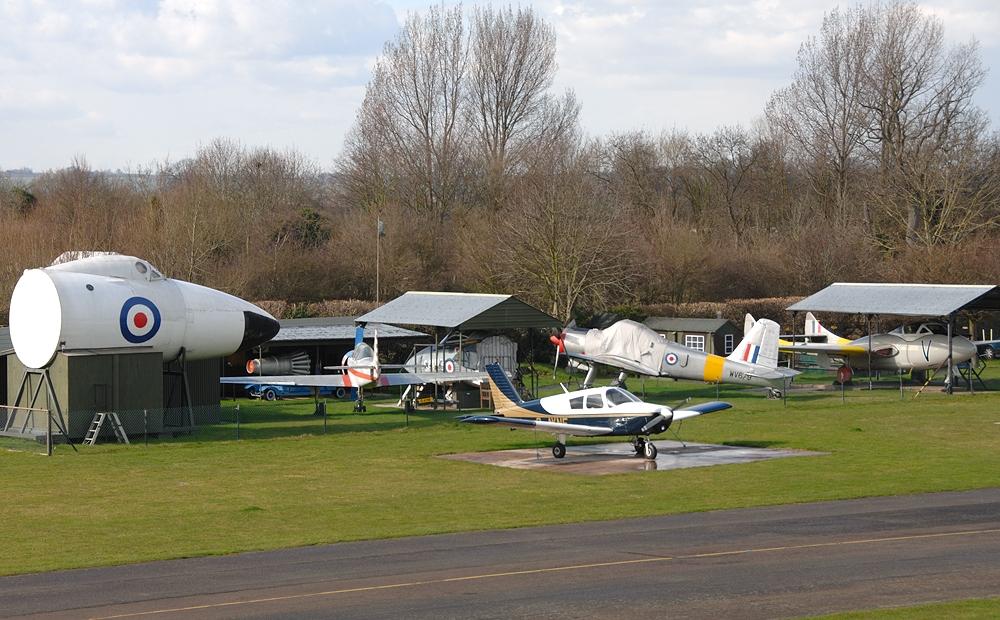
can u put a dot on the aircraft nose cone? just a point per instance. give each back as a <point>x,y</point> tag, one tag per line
<point>964,350</point>
<point>257,329</point>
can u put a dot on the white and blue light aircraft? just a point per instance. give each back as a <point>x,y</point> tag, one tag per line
<point>593,412</point>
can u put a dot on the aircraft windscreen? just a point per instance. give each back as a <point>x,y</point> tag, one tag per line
<point>619,397</point>
<point>363,351</point>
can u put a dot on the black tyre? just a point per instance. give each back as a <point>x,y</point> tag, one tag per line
<point>559,450</point>
<point>270,395</point>
<point>649,451</point>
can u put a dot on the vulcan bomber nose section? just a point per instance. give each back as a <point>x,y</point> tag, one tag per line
<point>257,329</point>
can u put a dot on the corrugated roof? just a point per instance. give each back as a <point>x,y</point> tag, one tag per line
<point>318,329</point>
<point>460,310</point>
<point>6,346</point>
<point>676,324</point>
<point>900,299</point>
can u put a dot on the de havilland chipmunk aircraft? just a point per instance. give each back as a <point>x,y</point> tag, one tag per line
<point>361,369</point>
<point>634,347</point>
<point>592,412</point>
<point>918,346</point>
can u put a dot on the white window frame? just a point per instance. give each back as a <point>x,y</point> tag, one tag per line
<point>695,341</point>
<point>728,343</point>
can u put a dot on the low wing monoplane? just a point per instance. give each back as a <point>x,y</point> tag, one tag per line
<point>593,412</point>
<point>634,347</point>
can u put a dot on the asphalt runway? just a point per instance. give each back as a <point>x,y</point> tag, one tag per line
<point>780,561</point>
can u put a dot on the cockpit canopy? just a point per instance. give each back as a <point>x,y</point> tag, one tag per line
<point>921,329</point>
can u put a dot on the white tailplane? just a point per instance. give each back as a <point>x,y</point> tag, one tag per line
<point>813,329</point>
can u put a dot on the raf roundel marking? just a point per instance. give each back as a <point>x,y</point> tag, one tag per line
<point>670,359</point>
<point>449,365</point>
<point>139,320</point>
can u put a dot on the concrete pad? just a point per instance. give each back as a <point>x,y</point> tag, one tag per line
<point>619,458</point>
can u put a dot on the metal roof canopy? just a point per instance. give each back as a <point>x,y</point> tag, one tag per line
<point>339,328</point>
<point>900,299</point>
<point>463,311</point>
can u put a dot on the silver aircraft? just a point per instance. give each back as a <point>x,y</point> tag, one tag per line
<point>918,346</point>
<point>634,347</point>
<point>361,368</point>
<point>593,412</point>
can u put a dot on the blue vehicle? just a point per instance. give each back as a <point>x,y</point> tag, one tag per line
<point>989,350</point>
<point>274,392</point>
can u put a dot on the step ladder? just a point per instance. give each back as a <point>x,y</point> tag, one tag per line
<point>98,422</point>
<point>485,396</point>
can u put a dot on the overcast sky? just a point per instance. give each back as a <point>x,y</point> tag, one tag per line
<point>125,83</point>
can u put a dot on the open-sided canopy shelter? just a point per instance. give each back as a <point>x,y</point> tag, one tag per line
<point>927,300</point>
<point>900,299</point>
<point>460,311</point>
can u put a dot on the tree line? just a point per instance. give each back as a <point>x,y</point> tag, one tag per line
<point>872,164</point>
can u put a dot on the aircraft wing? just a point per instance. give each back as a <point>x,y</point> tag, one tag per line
<point>337,380</point>
<point>422,378</point>
<point>296,380</point>
<point>579,430</point>
<point>824,347</point>
<point>700,409</point>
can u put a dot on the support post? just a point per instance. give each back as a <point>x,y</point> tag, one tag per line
<point>951,364</point>
<point>870,386</point>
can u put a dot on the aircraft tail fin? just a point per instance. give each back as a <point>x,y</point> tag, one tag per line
<point>814,329</point>
<point>759,345</point>
<point>748,323</point>
<point>502,390</point>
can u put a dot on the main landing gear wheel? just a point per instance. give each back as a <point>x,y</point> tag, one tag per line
<point>559,450</point>
<point>649,451</point>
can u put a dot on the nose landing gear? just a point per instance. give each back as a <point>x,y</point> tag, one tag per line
<point>644,448</point>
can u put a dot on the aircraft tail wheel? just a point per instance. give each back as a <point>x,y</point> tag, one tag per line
<point>559,450</point>
<point>649,451</point>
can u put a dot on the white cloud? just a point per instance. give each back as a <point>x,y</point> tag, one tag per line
<point>132,81</point>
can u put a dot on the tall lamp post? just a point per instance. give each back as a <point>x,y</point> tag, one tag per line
<point>380,232</point>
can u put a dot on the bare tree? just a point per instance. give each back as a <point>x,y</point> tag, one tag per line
<point>918,96</point>
<point>821,111</point>
<point>412,117</point>
<point>560,243</point>
<point>726,159</point>
<point>512,67</point>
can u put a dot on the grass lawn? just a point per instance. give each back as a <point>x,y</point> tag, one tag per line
<point>957,610</point>
<point>285,483</point>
